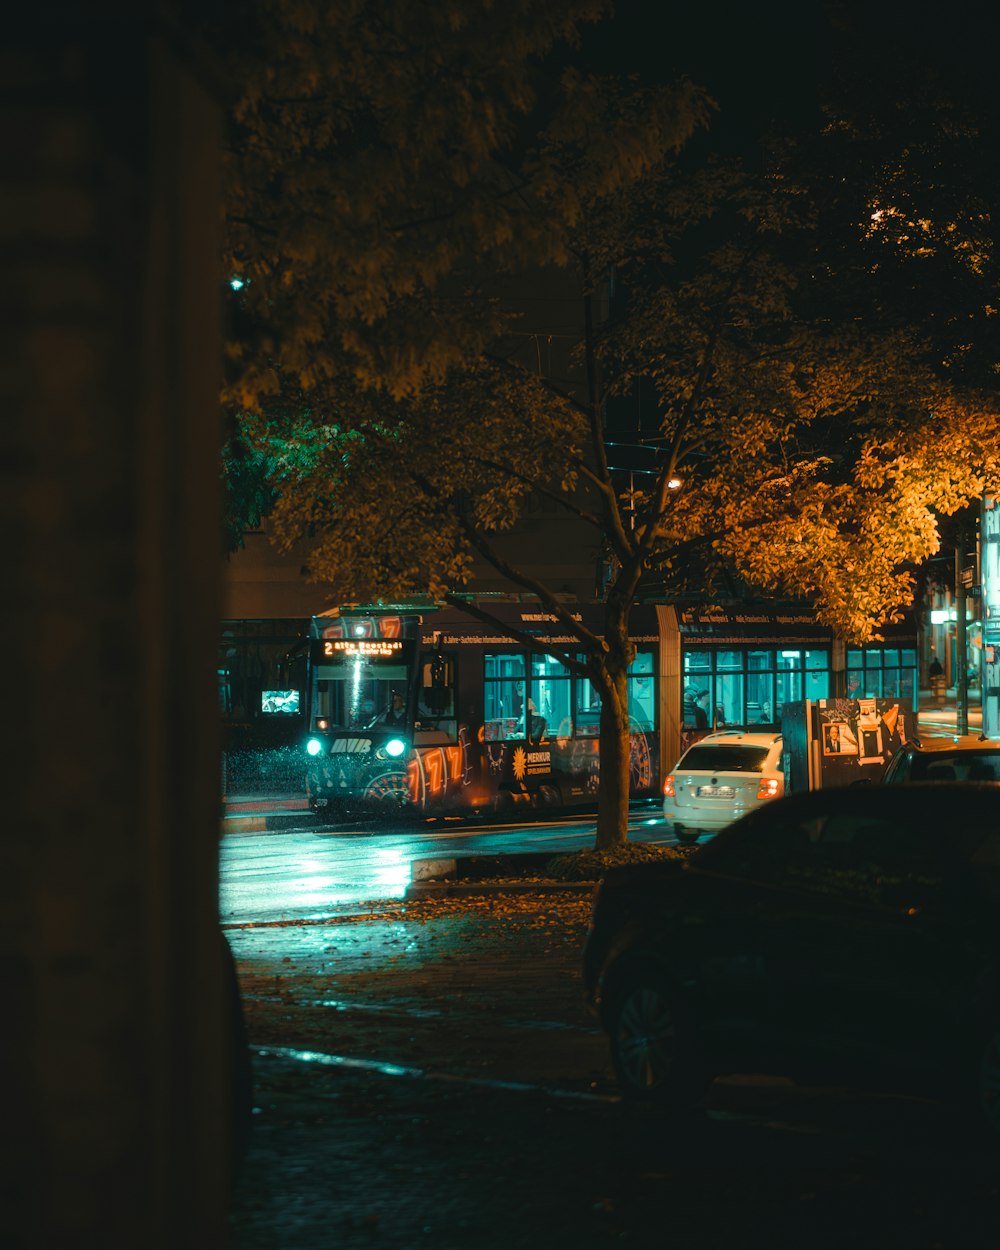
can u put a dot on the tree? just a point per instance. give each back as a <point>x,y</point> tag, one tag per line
<point>373,162</point>
<point>808,452</point>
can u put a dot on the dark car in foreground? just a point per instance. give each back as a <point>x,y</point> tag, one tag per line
<point>847,936</point>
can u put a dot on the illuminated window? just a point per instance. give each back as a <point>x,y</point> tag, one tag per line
<point>551,699</point>
<point>748,687</point>
<point>642,693</point>
<point>504,696</point>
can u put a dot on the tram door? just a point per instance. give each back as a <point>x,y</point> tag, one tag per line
<point>435,720</point>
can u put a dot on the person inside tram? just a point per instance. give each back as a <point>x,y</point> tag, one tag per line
<point>688,704</point>
<point>701,703</point>
<point>395,713</point>
<point>522,703</point>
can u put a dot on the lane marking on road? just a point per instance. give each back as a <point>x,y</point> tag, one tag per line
<point>383,1068</point>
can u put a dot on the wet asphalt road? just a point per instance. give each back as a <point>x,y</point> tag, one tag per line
<point>427,1074</point>
<point>319,870</point>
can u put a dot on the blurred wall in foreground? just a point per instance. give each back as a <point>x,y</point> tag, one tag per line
<point>115,1125</point>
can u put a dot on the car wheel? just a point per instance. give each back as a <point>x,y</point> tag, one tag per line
<point>652,1034</point>
<point>686,837</point>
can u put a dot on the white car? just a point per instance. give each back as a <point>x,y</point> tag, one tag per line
<point>721,777</point>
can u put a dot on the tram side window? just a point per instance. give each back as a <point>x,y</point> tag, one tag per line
<point>504,696</point>
<point>588,709</point>
<point>641,699</point>
<point>698,691</point>
<point>435,719</point>
<point>760,688</point>
<point>551,699</point>
<point>642,693</point>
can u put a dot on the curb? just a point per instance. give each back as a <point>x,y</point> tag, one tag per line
<point>455,889</point>
<point>474,875</point>
<point>480,867</point>
<point>269,822</point>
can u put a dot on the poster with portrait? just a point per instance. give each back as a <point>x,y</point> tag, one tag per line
<point>838,738</point>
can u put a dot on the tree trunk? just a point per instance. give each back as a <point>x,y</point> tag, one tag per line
<point>616,746</point>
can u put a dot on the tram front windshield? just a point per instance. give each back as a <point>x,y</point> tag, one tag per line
<point>357,693</point>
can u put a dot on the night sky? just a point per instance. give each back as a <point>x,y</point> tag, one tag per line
<point>775,61</point>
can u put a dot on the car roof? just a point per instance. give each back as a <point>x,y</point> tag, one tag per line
<point>956,799</point>
<point>963,742</point>
<point>737,736</point>
<point>958,806</point>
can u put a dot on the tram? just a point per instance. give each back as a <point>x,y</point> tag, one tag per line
<point>431,710</point>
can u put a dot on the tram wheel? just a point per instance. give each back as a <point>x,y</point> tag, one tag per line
<point>389,790</point>
<point>549,796</point>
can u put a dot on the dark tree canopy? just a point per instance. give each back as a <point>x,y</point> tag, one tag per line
<point>811,433</point>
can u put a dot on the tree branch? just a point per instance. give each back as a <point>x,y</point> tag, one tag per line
<point>621,543</point>
<point>700,540</point>
<point>555,496</point>
<point>668,469</point>
<point>529,640</point>
<point>515,576</point>
<point>255,225</point>
<point>611,524</point>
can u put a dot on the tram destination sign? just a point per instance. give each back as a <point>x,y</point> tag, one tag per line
<point>358,648</point>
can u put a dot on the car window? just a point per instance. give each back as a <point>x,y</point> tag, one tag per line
<point>759,848</point>
<point>853,856</point>
<point>956,766</point>
<point>729,757</point>
<point>886,844</point>
<point>988,851</point>
<point>899,769</point>
<point>878,859</point>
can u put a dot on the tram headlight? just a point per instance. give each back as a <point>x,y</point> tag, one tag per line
<point>314,746</point>
<point>395,747</point>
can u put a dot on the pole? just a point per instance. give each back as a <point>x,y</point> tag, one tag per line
<point>989,538</point>
<point>961,654</point>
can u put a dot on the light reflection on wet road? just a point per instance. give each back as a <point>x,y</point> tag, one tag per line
<point>312,872</point>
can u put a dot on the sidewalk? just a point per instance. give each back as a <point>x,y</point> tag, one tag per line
<point>943,718</point>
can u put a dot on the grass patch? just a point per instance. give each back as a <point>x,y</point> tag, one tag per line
<point>591,865</point>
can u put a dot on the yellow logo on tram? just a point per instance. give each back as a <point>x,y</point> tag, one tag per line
<point>520,763</point>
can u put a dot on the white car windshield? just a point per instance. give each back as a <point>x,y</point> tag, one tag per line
<point>731,758</point>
